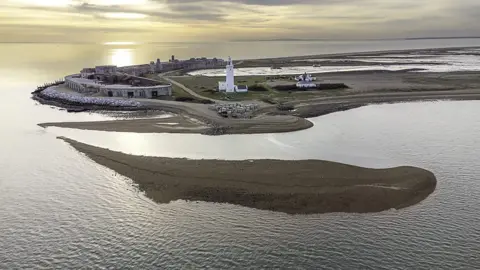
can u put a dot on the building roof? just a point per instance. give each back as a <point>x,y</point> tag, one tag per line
<point>90,70</point>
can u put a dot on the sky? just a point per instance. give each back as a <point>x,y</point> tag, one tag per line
<point>101,21</point>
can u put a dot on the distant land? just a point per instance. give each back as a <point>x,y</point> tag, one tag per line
<point>378,39</point>
<point>245,40</point>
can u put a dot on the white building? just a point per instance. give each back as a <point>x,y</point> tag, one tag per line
<point>306,81</point>
<point>229,84</point>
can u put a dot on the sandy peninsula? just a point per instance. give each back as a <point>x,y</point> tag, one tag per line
<point>293,187</point>
<point>197,118</point>
<point>277,110</point>
<point>192,118</point>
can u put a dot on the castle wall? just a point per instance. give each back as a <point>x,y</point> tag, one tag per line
<point>74,85</point>
<point>138,92</point>
<point>118,90</point>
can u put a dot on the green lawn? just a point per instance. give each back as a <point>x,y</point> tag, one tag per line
<point>207,86</point>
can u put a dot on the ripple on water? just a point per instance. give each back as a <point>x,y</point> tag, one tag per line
<point>68,212</point>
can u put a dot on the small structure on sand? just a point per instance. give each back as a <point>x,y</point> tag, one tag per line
<point>306,81</point>
<point>228,85</point>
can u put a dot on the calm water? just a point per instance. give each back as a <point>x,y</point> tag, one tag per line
<point>60,210</point>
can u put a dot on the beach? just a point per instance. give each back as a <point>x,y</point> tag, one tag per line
<point>293,187</point>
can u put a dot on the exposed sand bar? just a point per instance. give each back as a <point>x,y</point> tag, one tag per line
<point>294,187</point>
<point>268,120</point>
<point>265,124</point>
<point>319,107</point>
<point>175,124</point>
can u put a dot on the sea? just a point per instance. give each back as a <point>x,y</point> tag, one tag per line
<point>60,210</point>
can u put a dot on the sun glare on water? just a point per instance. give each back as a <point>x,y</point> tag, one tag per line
<point>120,43</point>
<point>121,57</point>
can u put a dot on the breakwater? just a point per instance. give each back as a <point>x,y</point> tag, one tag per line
<point>77,103</point>
<point>40,88</point>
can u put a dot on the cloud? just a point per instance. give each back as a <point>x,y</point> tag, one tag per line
<point>250,19</point>
<point>181,13</point>
<point>255,2</point>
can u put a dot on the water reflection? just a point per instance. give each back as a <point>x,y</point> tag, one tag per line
<point>131,141</point>
<point>56,204</point>
<point>331,137</point>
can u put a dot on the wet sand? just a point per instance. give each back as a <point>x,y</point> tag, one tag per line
<point>174,124</point>
<point>185,124</point>
<point>267,120</point>
<point>293,187</point>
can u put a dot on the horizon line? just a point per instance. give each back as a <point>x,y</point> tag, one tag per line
<point>112,43</point>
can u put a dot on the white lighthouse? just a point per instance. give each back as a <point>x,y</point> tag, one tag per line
<point>229,84</point>
<point>230,80</point>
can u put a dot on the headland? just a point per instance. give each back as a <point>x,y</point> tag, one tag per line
<point>293,187</point>
<point>266,103</point>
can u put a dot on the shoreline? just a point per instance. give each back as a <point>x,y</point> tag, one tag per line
<point>287,111</point>
<point>373,53</point>
<point>292,187</point>
<point>267,120</point>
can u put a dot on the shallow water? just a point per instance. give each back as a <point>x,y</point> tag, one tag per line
<point>449,61</point>
<point>58,209</point>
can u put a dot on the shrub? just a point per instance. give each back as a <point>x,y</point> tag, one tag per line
<point>331,86</point>
<point>206,101</point>
<point>193,100</point>
<point>257,88</point>
<point>184,99</point>
<point>286,87</point>
<point>322,86</point>
<point>268,100</point>
<point>285,107</point>
<point>210,91</point>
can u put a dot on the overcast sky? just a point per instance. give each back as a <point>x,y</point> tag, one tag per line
<point>189,20</point>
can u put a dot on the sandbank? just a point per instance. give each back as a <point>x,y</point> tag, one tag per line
<point>293,187</point>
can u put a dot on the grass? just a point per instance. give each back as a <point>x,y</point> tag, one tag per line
<point>207,86</point>
<point>177,92</point>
